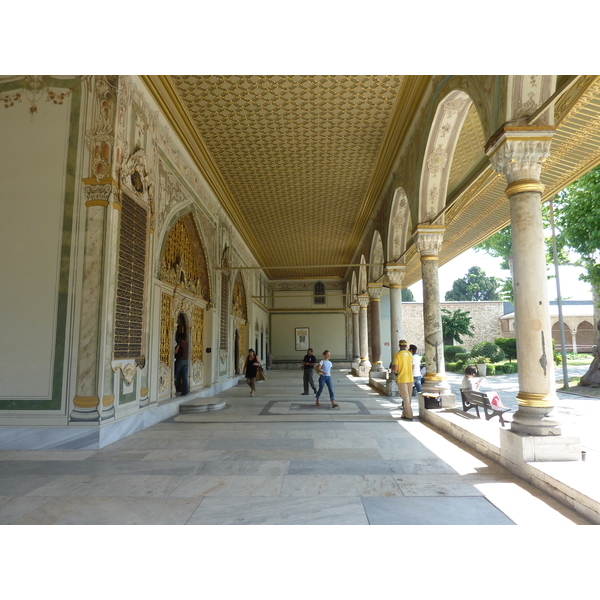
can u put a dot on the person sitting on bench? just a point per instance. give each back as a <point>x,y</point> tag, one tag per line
<point>470,382</point>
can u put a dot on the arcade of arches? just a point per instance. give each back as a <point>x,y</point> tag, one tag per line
<point>140,207</point>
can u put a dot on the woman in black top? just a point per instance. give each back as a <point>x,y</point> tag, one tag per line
<point>252,363</point>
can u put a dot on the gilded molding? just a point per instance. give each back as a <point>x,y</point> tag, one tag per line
<point>110,399</point>
<point>524,185</point>
<point>537,400</point>
<point>86,401</point>
<point>434,377</point>
<point>429,257</point>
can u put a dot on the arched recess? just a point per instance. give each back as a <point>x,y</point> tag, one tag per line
<point>439,152</point>
<point>239,311</point>
<point>556,337</point>
<point>399,226</point>
<point>376,258</point>
<point>362,276</point>
<point>585,337</point>
<point>186,294</point>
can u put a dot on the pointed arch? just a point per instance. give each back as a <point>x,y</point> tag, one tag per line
<point>399,225</point>
<point>183,261</point>
<point>376,257</point>
<point>362,276</point>
<point>441,144</point>
<point>353,288</point>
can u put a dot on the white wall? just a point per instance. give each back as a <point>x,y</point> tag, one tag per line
<point>327,331</point>
<point>33,157</point>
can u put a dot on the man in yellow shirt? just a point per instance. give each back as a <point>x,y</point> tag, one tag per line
<point>402,365</point>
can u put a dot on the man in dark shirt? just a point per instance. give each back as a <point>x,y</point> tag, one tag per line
<point>181,363</point>
<point>308,364</point>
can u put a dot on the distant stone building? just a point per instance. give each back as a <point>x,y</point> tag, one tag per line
<point>578,317</point>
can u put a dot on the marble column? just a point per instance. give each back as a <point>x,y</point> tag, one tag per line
<point>429,243</point>
<point>375,290</point>
<point>395,274</point>
<point>518,154</point>
<point>364,366</point>
<point>355,308</point>
<point>87,405</point>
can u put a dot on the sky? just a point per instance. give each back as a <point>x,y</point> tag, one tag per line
<point>570,286</point>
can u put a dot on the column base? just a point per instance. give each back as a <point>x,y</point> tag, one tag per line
<point>535,421</point>
<point>377,367</point>
<point>364,368</point>
<point>516,447</point>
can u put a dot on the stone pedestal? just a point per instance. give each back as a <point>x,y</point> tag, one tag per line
<point>517,448</point>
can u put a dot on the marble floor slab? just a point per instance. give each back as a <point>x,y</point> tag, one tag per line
<point>231,486</point>
<point>340,485</point>
<point>15,507</point>
<point>279,511</point>
<point>433,511</point>
<point>238,466</point>
<point>111,511</point>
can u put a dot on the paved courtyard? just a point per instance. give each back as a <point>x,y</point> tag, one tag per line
<point>275,458</point>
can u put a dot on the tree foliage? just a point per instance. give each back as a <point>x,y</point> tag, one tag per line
<point>455,324</point>
<point>577,215</point>
<point>508,346</point>
<point>498,245</point>
<point>474,286</point>
<point>489,350</point>
<point>407,295</point>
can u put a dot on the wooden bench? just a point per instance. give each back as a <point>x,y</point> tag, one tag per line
<point>472,399</point>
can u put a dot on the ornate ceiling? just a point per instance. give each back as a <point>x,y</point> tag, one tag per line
<point>299,162</point>
<point>297,153</point>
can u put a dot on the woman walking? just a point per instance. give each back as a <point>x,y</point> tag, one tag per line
<point>252,364</point>
<point>324,370</point>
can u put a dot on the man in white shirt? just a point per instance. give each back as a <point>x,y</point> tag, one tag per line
<point>416,369</point>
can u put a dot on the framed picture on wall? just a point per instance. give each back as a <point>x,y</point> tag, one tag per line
<point>301,338</point>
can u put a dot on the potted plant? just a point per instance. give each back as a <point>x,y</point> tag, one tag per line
<point>481,362</point>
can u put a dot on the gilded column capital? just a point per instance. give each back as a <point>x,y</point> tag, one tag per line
<point>374,290</point>
<point>98,193</point>
<point>429,240</point>
<point>519,153</point>
<point>395,274</point>
<point>363,300</point>
<point>355,308</point>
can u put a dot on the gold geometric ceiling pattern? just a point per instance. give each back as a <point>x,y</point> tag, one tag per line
<point>297,154</point>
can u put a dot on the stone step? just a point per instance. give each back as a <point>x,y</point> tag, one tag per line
<point>202,405</point>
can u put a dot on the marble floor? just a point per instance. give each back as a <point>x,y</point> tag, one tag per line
<point>275,459</point>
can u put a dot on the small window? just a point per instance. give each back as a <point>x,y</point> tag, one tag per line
<point>319,293</point>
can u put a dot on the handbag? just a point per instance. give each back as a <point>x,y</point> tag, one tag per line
<point>260,374</point>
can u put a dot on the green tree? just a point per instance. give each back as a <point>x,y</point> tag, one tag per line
<point>407,295</point>
<point>474,286</point>
<point>508,346</point>
<point>455,324</point>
